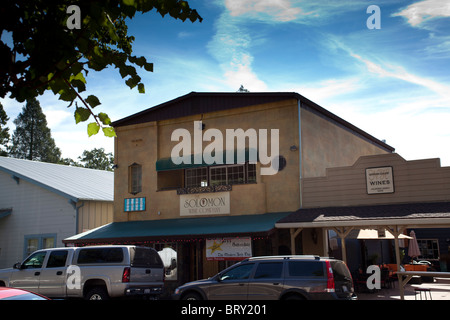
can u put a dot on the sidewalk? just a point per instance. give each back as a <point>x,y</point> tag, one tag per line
<point>440,290</point>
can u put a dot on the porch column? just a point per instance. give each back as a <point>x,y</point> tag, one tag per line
<point>294,234</point>
<point>343,233</point>
<point>395,230</point>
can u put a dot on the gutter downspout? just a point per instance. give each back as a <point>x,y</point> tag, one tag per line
<point>77,216</point>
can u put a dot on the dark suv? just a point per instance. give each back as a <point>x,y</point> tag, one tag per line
<point>273,278</point>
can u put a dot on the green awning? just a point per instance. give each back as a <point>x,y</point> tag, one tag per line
<point>182,227</point>
<point>165,164</point>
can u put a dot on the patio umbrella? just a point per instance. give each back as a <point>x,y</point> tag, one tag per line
<point>413,249</point>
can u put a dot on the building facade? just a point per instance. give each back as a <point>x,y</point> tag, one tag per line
<point>42,203</point>
<point>381,192</point>
<point>200,214</point>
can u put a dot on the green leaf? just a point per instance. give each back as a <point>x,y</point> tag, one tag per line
<point>141,88</point>
<point>81,114</point>
<point>109,132</point>
<point>104,118</point>
<point>93,101</point>
<point>148,67</point>
<point>92,128</point>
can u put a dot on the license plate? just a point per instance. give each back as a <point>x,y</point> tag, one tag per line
<point>344,288</point>
<point>146,290</point>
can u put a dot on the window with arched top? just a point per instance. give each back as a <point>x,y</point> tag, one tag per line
<point>135,178</point>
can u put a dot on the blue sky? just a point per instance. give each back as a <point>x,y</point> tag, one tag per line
<point>392,82</point>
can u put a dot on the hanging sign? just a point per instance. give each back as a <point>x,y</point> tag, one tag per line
<point>220,249</point>
<point>379,180</point>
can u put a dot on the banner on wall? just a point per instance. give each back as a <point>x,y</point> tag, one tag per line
<point>220,249</point>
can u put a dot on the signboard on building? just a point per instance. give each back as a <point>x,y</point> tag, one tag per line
<point>134,204</point>
<point>228,249</point>
<point>379,180</point>
<point>205,204</point>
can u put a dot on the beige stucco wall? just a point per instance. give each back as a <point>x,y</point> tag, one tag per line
<point>324,144</point>
<point>327,145</point>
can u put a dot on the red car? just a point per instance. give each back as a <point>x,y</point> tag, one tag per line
<point>19,294</point>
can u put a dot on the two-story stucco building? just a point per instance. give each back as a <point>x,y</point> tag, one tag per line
<point>200,214</point>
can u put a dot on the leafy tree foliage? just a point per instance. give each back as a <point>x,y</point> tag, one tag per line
<point>45,54</point>
<point>4,131</point>
<point>97,159</point>
<point>32,138</point>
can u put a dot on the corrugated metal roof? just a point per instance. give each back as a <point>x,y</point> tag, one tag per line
<point>73,183</point>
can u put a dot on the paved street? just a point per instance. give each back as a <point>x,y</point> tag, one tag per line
<point>440,290</point>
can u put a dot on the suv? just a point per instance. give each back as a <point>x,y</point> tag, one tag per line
<point>92,272</point>
<point>273,278</point>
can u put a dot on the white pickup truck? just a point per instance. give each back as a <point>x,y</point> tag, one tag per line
<point>93,273</point>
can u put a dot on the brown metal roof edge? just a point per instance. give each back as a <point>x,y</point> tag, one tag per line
<point>305,104</point>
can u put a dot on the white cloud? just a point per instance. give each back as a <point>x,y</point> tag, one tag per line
<point>399,72</point>
<point>422,11</point>
<point>231,46</point>
<point>280,10</point>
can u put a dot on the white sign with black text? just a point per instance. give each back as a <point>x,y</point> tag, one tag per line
<point>379,180</point>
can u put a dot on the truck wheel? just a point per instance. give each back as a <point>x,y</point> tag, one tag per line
<point>97,293</point>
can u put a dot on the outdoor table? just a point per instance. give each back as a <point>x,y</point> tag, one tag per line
<point>410,274</point>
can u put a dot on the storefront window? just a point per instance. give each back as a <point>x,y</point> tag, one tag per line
<point>429,249</point>
<point>168,254</point>
<point>197,177</point>
<point>135,178</point>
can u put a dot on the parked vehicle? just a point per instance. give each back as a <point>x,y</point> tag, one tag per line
<point>19,294</point>
<point>273,278</point>
<point>94,272</point>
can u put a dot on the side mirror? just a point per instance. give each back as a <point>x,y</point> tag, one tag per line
<point>17,265</point>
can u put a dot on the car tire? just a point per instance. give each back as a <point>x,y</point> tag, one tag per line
<point>294,297</point>
<point>192,296</point>
<point>97,293</point>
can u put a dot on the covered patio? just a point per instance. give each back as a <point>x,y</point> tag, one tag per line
<point>394,218</point>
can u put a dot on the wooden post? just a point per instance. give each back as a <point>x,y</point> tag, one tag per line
<point>294,234</point>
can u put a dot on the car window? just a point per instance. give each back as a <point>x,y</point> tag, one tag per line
<point>306,269</point>
<point>239,273</point>
<point>57,259</point>
<point>34,261</point>
<point>145,258</point>
<point>100,255</point>
<point>340,271</point>
<point>269,270</point>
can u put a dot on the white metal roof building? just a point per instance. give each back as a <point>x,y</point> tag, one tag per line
<point>43,203</point>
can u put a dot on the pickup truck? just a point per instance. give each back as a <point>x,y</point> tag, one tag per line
<point>91,272</point>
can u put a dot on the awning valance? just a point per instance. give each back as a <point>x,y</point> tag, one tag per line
<point>182,227</point>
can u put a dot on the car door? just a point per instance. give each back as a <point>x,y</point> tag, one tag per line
<point>267,282</point>
<point>27,277</point>
<point>52,282</point>
<point>232,284</point>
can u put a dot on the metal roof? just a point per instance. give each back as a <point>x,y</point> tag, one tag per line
<point>420,213</point>
<point>73,183</point>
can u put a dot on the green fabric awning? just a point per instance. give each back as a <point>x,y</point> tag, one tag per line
<point>182,227</point>
<point>165,164</point>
